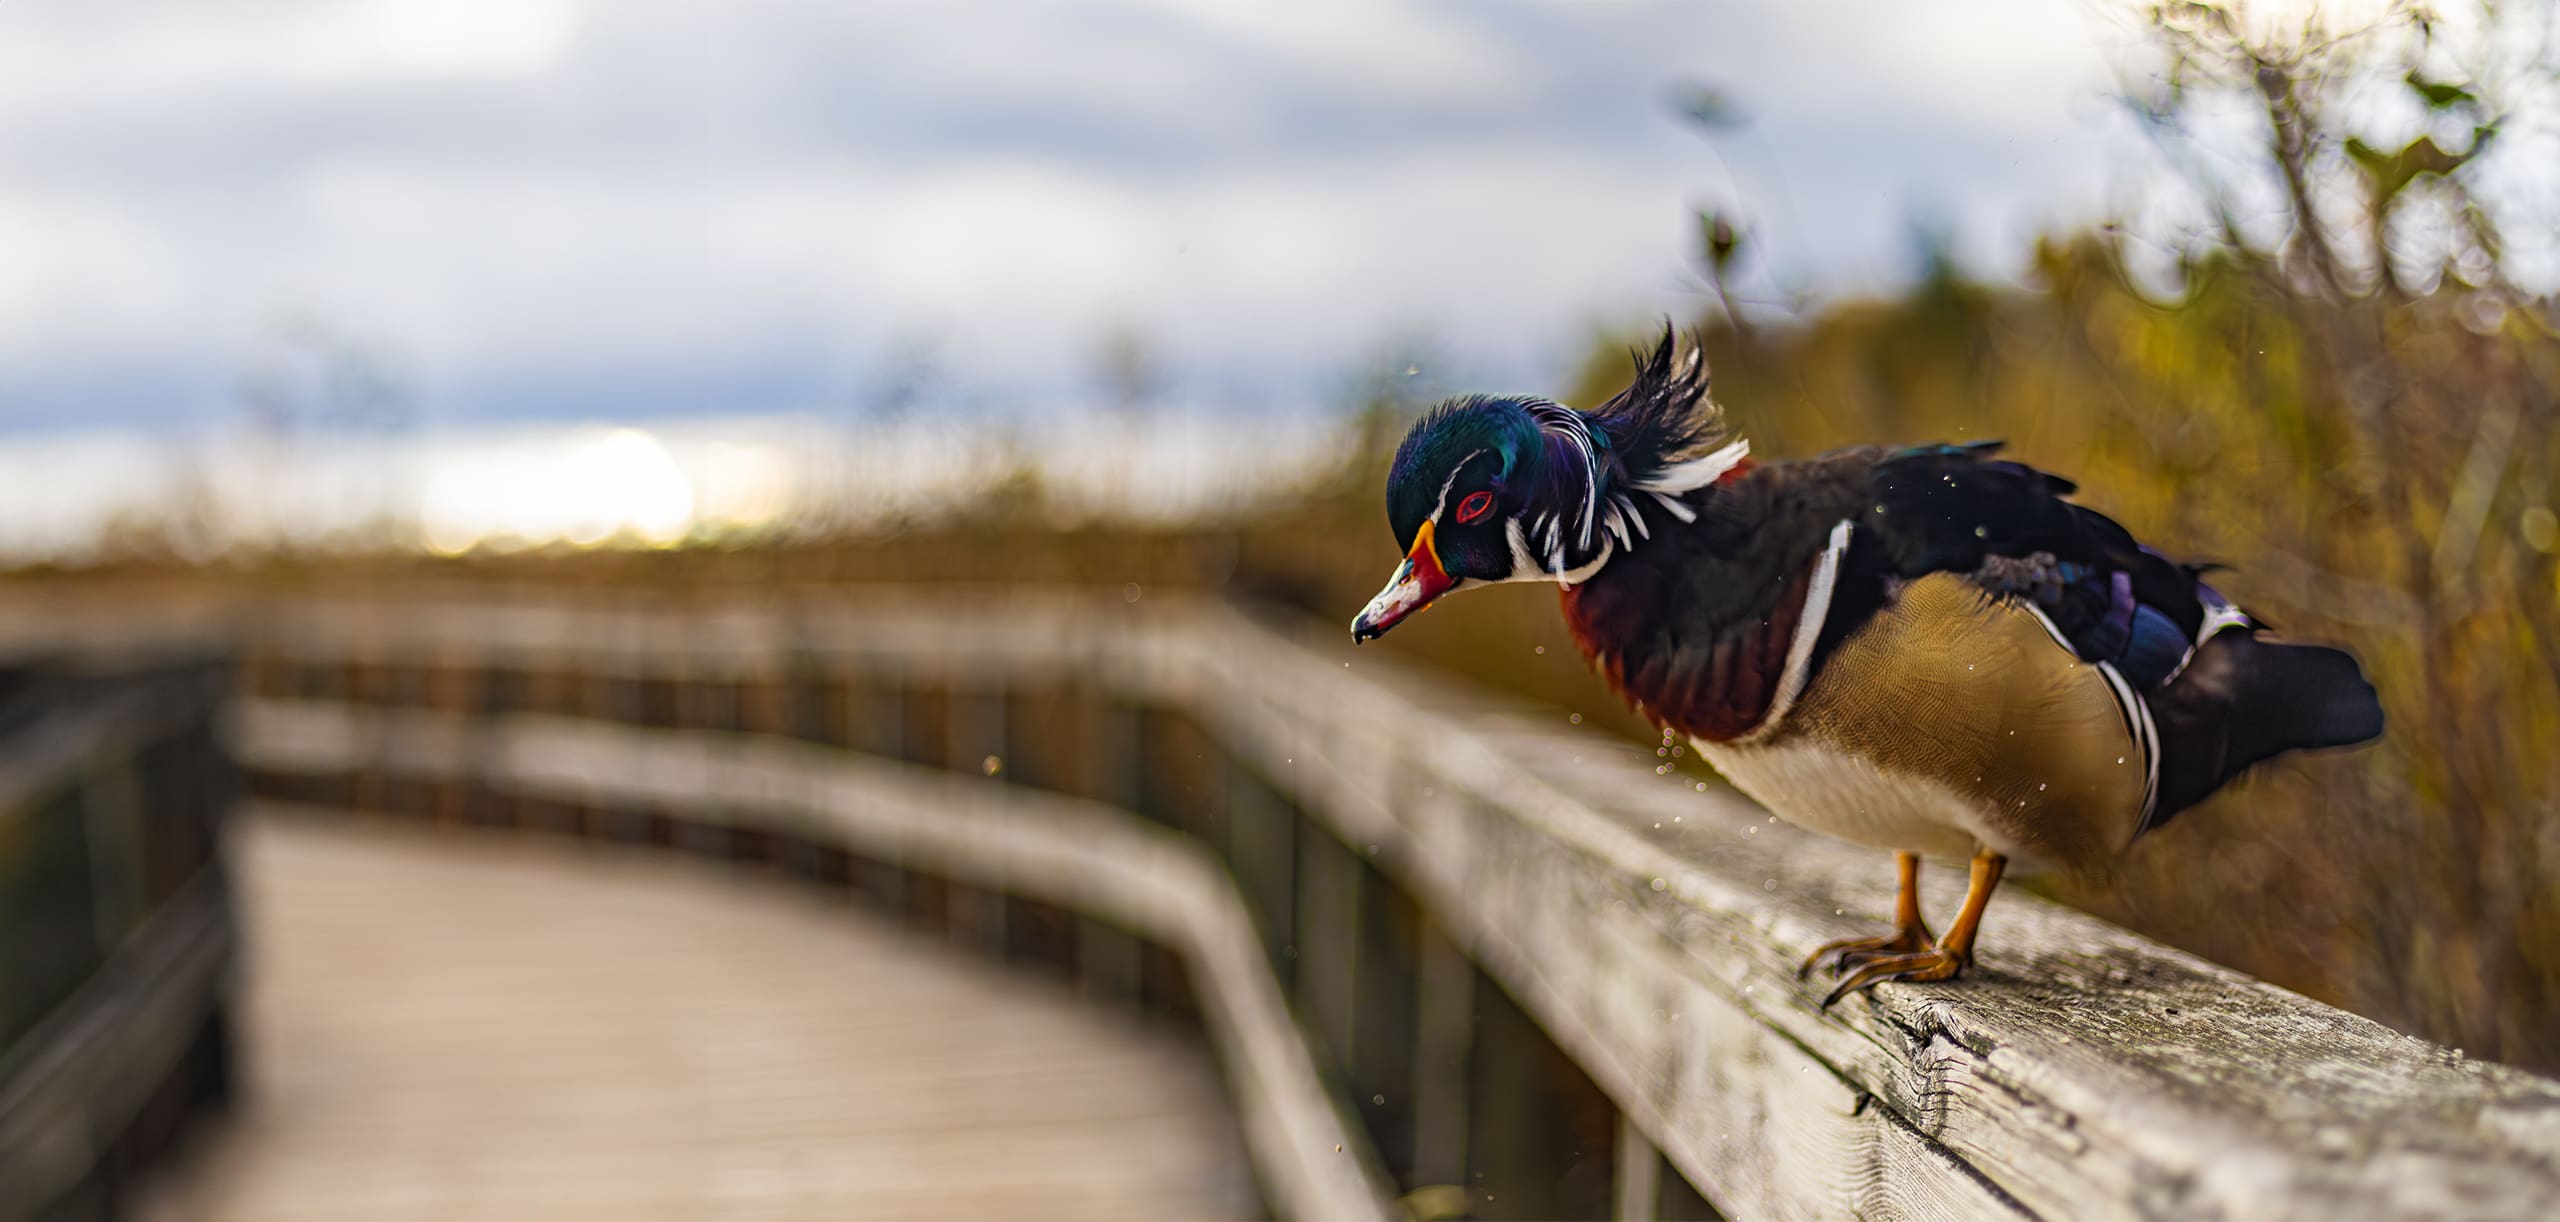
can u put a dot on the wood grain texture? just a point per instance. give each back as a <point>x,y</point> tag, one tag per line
<point>1652,929</point>
<point>1077,855</point>
<point>463,1029</point>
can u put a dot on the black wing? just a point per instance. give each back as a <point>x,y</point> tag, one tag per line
<point>2008,527</point>
<point>2202,703</point>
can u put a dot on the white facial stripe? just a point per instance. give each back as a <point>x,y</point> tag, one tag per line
<point>1576,576</point>
<point>1441,505</point>
<point>1524,563</point>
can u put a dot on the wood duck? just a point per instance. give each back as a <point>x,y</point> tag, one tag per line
<point>1927,650</point>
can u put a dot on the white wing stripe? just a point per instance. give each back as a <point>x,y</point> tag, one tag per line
<point>1817,605</point>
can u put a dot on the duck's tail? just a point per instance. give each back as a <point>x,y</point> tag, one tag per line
<point>2244,699</point>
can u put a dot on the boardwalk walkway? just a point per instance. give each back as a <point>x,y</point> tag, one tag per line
<point>459,1027</point>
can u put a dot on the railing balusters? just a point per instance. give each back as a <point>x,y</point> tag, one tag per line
<point>1545,1053</point>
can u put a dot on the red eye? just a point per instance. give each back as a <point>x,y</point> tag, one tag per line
<point>1476,505</point>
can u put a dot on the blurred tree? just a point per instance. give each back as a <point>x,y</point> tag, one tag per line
<point>314,374</point>
<point>1127,369</point>
<point>2320,352</point>
<point>908,375</point>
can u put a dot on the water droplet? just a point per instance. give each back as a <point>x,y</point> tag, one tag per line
<point>1769,884</point>
<point>991,765</point>
<point>1702,787</point>
<point>1576,719</point>
<point>1659,884</point>
<point>2039,787</point>
<point>2119,759</point>
<point>1380,1100</point>
<point>1131,592</point>
<point>1542,650</point>
<point>1657,825</point>
<point>1752,830</point>
<point>1662,752</point>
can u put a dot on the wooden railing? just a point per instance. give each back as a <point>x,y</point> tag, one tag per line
<point>1532,968</point>
<point>116,929</point>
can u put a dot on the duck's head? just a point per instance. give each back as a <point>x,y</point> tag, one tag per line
<point>1454,495</point>
<point>1490,488</point>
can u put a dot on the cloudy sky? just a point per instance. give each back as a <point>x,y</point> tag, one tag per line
<point>548,209</point>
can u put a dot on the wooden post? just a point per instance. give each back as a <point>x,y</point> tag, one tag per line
<point>1444,1037</point>
<point>1385,1019</point>
<point>976,728</point>
<point>978,920</point>
<point>1116,755</point>
<point>1106,955</point>
<point>1680,1201</point>
<point>875,714</point>
<point>1106,963</point>
<point>107,801</point>
<point>1638,1195</point>
<point>705,700</point>
<point>1261,853</point>
<point>1328,942</point>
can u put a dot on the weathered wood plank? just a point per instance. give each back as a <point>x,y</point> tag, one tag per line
<point>445,1027</point>
<point>156,945</point>
<point>2080,1070</point>
<point>1072,853</point>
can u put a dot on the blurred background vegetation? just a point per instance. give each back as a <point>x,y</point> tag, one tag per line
<point>2323,374</point>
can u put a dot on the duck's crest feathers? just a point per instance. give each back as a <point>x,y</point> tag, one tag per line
<point>1663,433</point>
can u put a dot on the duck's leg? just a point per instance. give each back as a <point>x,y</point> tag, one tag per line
<point>1951,955</point>
<point>1910,934</point>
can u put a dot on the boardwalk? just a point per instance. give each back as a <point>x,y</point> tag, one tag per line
<point>459,1027</point>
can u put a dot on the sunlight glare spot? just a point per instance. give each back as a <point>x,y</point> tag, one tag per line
<point>615,484</point>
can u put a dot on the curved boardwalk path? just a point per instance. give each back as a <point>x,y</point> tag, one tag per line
<point>460,1026</point>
